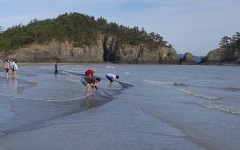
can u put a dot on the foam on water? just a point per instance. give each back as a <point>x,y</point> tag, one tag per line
<point>228,109</point>
<point>202,95</point>
<point>156,82</point>
<point>110,67</point>
<point>42,99</point>
<point>233,89</point>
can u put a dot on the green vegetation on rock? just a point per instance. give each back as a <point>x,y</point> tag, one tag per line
<point>76,28</point>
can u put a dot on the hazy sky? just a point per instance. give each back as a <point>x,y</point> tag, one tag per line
<point>190,25</point>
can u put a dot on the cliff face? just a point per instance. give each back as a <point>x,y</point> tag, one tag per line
<point>114,52</point>
<point>223,55</point>
<point>107,49</point>
<point>55,51</point>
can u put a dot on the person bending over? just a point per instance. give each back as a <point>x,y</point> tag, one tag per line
<point>90,83</point>
<point>111,77</point>
<point>89,72</point>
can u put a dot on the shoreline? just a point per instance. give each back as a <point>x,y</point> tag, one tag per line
<point>84,63</point>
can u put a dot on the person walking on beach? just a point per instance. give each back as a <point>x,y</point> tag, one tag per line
<point>11,63</point>
<point>90,83</point>
<point>14,68</point>
<point>111,77</point>
<point>89,72</point>
<point>7,67</point>
<point>56,69</point>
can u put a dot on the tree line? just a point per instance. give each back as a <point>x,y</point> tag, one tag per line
<point>78,29</point>
<point>231,42</point>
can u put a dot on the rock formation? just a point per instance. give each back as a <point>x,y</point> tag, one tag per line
<point>222,56</point>
<point>107,49</point>
<point>187,59</point>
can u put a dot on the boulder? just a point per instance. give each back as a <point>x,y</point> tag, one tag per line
<point>187,59</point>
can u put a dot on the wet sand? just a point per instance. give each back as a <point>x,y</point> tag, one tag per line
<point>114,125</point>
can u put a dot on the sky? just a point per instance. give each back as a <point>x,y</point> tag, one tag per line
<point>189,25</point>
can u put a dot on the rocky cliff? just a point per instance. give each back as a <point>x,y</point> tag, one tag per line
<point>223,55</point>
<point>106,49</point>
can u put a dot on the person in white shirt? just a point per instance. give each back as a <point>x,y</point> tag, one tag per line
<point>111,77</point>
<point>15,68</point>
<point>12,63</point>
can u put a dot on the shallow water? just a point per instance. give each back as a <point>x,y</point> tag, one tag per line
<point>168,107</point>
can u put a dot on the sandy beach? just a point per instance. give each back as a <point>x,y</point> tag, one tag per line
<point>40,110</point>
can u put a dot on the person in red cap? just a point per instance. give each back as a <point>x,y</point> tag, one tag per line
<point>89,72</point>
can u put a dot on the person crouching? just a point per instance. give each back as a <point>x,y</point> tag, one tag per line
<point>90,83</point>
<point>111,77</point>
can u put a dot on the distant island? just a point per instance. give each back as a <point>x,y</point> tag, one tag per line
<point>75,37</point>
<point>197,59</point>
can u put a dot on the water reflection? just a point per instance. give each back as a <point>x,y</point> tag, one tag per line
<point>89,102</point>
<point>11,86</point>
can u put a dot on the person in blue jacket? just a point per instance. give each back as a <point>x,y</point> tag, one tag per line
<point>56,69</point>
